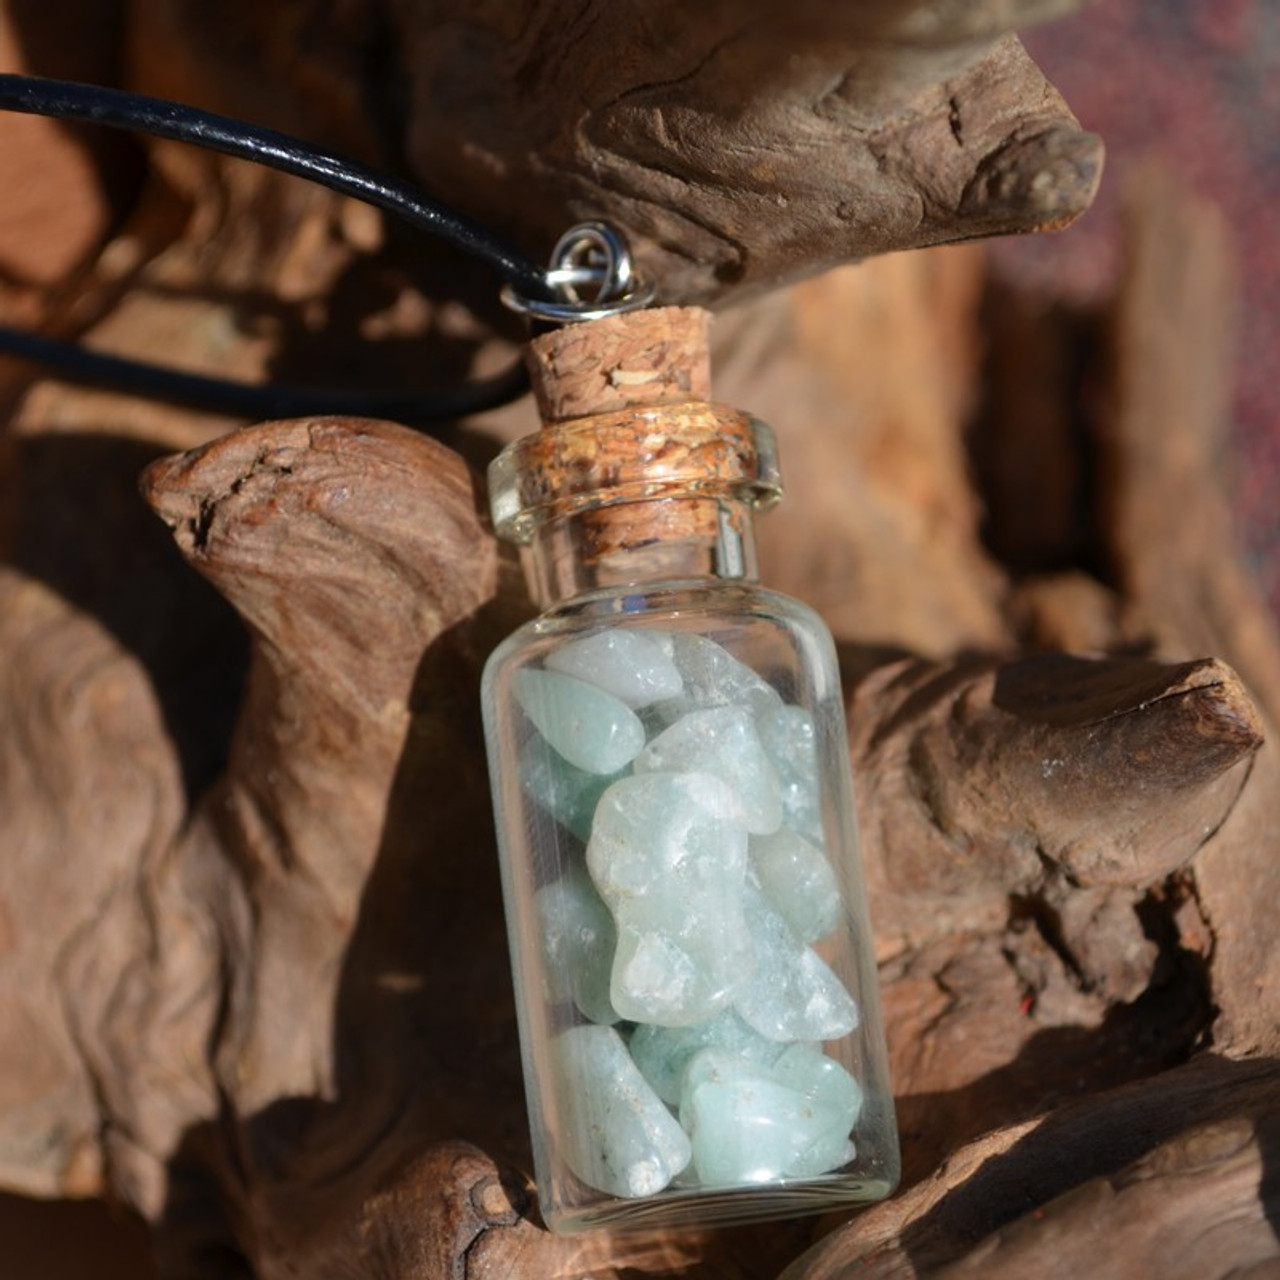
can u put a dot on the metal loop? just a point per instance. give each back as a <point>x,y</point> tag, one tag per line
<point>595,255</point>
<point>596,247</point>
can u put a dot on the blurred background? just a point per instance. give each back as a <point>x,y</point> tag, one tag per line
<point>1196,85</point>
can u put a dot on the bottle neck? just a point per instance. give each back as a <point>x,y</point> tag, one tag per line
<point>641,544</point>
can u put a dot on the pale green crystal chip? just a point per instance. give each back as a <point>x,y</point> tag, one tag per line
<point>722,742</point>
<point>792,994</point>
<point>592,729</point>
<point>568,794</point>
<point>578,938</point>
<point>798,881</point>
<point>662,1053</point>
<point>747,1127</point>
<point>827,1084</point>
<point>618,1136</point>
<point>713,677</point>
<point>630,664</point>
<point>791,744</point>
<point>811,1072</point>
<point>669,859</point>
<point>830,1152</point>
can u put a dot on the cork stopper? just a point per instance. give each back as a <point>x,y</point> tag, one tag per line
<point>630,441</point>
<point>635,360</point>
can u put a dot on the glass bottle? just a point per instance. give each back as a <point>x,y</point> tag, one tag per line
<point>694,979</point>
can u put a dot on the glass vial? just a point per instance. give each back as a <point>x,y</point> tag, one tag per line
<point>693,971</point>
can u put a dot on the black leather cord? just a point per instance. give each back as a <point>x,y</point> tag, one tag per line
<point>116,109</point>
<point>261,401</point>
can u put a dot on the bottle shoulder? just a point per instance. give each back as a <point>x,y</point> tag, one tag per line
<point>649,605</point>
<point>683,606</point>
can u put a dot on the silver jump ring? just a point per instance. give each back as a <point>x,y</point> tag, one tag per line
<point>591,254</point>
<point>595,246</point>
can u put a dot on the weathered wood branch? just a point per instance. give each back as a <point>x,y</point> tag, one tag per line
<point>1176,554</point>
<point>1000,777</point>
<point>1114,1187</point>
<point>740,146</point>
<point>90,797</point>
<point>1022,822</point>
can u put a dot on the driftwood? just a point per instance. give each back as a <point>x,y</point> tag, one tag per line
<point>254,981</point>
<point>741,146</point>
<point>1111,1186</point>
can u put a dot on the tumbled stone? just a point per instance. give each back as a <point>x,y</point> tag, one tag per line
<point>567,793</point>
<point>629,663</point>
<point>669,858</point>
<point>578,939</point>
<point>723,742</point>
<point>792,994</point>
<point>713,677</point>
<point>798,881</point>
<point>662,1053</point>
<point>821,1079</point>
<point>615,1132</point>
<point>829,1153</point>
<point>790,741</point>
<point>747,1127</point>
<point>593,730</point>
<point>828,1085</point>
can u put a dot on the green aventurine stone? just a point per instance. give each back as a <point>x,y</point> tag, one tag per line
<point>713,677</point>
<point>799,882</point>
<point>669,859</point>
<point>592,729</point>
<point>821,1079</point>
<point>568,794</point>
<point>721,742</point>
<point>746,1126</point>
<point>790,742</point>
<point>617,1135</point>
<point>792,995</point>
<point>578,938</point>
<point>662,1053</point>
<point>828,1085</point>
<point>630,664</point>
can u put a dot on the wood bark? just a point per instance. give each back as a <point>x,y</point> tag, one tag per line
<point>254,979</point>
